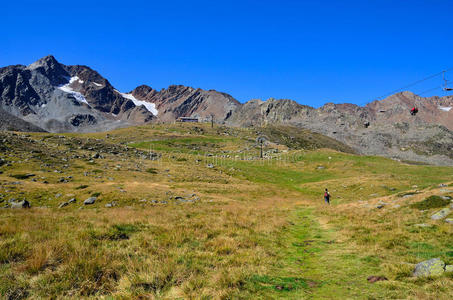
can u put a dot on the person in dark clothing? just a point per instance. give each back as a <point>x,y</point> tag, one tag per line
<point>414,111</point>
<point>327,197</point>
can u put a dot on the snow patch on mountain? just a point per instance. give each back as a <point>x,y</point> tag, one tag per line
<point>151,107</point>
<point>445,108</point>
<point>67,89</point>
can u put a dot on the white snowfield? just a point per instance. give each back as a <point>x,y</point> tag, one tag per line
<point>98,84</point>
<point>445,108</point>
<point>67,89</point>
<point>151,107</point>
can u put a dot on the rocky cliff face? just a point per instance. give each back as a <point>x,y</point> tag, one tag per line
<point>392,131</point>
<point>61,98</point>
<point>181,101</point>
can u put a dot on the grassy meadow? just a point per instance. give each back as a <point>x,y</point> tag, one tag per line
<point>194,213</point>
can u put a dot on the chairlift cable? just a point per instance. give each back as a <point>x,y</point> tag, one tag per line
<point>415,83</point>
<point>429,90</point>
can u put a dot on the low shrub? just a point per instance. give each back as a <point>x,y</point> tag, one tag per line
<point>431,202</point>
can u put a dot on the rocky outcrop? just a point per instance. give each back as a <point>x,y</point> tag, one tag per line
<point>83,120</point>
<point>181,101</point>
<point>380,128</point>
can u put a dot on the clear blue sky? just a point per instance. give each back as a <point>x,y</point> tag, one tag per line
<point>309,51</point>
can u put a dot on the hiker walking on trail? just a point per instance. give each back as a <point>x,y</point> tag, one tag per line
<point>327,197</point>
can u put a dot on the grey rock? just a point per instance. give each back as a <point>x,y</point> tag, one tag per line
<point>111,204</point>
<point>449,220</point>
<point>449,268</point>
<point>22,204</point>
<point>90,200</point>
<point>441,214</point>
<point>432,267</point>
<point>210,166</point>
<point>63,204</point>
<point>72,200</point>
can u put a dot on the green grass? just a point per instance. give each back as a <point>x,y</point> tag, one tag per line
<point>259,229</point>
<point>431,202</point>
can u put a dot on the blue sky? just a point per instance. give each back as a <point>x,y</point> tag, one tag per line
<point>310,51</point>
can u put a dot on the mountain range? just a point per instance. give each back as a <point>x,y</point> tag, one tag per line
<point>50,96</point>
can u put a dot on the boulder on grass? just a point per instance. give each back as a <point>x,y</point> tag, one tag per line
<point>90,200</point>
<point>63,204</point>
<point>22,204</point>
<point>432,267</point>
<point>441,214</point>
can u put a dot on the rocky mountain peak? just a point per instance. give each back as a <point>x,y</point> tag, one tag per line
<point>47,61</point>
<point>50,68</point>
<point>143,92</point>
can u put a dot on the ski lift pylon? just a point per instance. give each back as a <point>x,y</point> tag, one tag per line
<point>446,88</point>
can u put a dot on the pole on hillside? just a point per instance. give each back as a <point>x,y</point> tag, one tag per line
<point>212,120</point>
<point>261,141</point>
<point>261,152</point>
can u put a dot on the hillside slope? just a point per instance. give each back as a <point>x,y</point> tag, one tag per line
<point>10,122</point>
<point>392,131</point>
<point>186,211</point>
